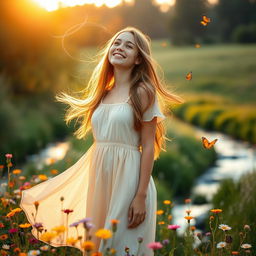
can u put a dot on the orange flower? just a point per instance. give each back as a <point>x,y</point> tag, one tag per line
<point>3,253</point>
<point>161,223</point>
<point>159,212</point>
<point>54,171</point>
<point>189,217</point>
<point>114,221</point>
<point>17,249</point>
<point>187,201</point>
<point>216,210</point>
<point>104,233</point>
<point>25,225</point>
<point>16,171</point>
<point>192,228</point>
<point>211,217</point>
<point>167,202</point>
<point>1,225</point>
<point>42,177</point>
<point>22,254</point>
<point>11,184</point>
<point>88,245</point>
<point>235,253</point>
<point>3,237</point>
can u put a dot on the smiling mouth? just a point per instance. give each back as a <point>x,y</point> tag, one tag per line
<point>119,54</point>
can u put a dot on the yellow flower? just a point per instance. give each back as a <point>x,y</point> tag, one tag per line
<point>59,229</point>
<point>72,241</point>
<point>159,212</point>
<point>103,233</point>
<point>25,225</point>
<point>12,212</point>
<point>167,202</point>
<point>54,171</point>
<point>48,236</point>
<point>17,210</point>
<point>42,177</point>
<point>16,171</point>
<point>216,210</point>
<point>88,245</point>
<point>161,222</point>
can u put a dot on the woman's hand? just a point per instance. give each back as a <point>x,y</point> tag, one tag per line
<point>137,211</point>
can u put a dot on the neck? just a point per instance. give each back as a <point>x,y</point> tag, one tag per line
<point>122,77</point>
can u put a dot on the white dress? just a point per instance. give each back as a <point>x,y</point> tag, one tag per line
<point>101,184</point>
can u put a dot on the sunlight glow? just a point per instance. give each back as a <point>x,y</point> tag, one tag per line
<point>52,5</point>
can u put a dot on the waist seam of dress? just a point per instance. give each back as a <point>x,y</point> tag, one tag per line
<point>109,143</point>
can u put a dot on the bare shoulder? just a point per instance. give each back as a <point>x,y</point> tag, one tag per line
<point>143,95</point>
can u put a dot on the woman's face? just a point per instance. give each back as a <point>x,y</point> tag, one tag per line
<point>123,53</point>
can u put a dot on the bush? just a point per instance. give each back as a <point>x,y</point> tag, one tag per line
<point>244,34</point>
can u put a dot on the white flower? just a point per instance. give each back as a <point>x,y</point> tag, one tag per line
<point>33,252</point>
<point>6,246</point>
<point>44,248</point>
<point>224,227</point>
<point>4,184</point>
<point>246,246</point>
<point>221,244</point>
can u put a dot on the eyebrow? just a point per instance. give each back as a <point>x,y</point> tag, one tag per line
<point>126,41</point>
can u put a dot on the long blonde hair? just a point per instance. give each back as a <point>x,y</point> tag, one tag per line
<point>101,81</point>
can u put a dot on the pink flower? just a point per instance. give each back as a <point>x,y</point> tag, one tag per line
<point>67,211</point>
<point>155,245</point>
<point>13,230</point>
<point>173,227</point>
<point>8,155</point>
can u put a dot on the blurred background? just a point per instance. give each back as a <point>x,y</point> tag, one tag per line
<point>218,50</point>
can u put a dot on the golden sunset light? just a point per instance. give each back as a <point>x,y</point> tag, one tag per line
<point>52,5</point>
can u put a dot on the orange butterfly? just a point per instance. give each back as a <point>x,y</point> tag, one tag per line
<point>208,144</point>
<point>205,20</point>
<point>189,75</point>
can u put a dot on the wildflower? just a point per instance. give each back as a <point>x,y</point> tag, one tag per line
<point>16,171</point>
<point>17,249</point>
<point>59,229</point>
<point>224,227</point>
<point>211,217</point>
<point>22,177</point>
<point>114,224</point>
<point>74,224</point>
<point>187,201</point>
<point>159,212</point>
<point>246,246</point>
<point>2,225</point>
<point>8,155</point>
<point>25,225</point>
<point>193,228</point>
<point>167,202</point>
<point>54,171</point>
<point>235,253</point>
<point>112,251</point>
<point>221,244</point>
<point>6,246</point>
<point>33,252</point>
<point>47,236</point>
<point>247,227</point>
<point>140,239</point>
<point>38,226</point>
<point>86,223</point>
<point>22,254</point>
<point>208,233</point>
<point>103,233</point>
<point>33,240</point>
<point>3,237</point>
<point>71,241</point>
<point>188,218</point>
<point>88,245</point>
<point>173,227</point>
<point>13,230</point>
<point>4,253</point>
<point>161,223</point>
<point>44,247</point>
<point>216,210</point>
<point>165,241</point>
<point>42,177</point>
<point>155,245</point>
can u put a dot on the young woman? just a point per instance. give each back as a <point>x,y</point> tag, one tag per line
<point>123,106</point>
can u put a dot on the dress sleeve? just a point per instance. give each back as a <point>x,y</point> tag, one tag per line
<point>153,111</point>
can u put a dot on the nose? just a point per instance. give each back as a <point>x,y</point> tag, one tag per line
<point>119,47</point>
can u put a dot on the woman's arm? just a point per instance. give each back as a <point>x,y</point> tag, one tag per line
<point>137,210</point>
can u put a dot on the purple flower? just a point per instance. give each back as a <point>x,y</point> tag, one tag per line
<point>84,220</point>
<point>165,241</point>
<point>74,224</point>
<point>33,240</point>
<point>38,225</point>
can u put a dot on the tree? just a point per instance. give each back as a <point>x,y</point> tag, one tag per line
<point>185,27</point>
